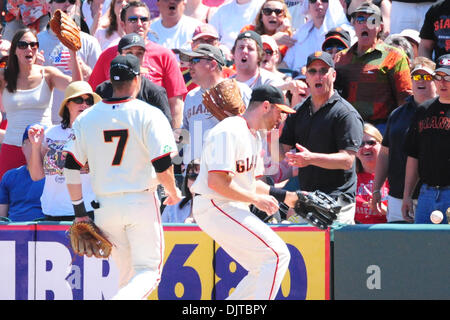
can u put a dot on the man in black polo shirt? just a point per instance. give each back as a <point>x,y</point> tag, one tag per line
<point>427,145</point>
<point>326,132</point>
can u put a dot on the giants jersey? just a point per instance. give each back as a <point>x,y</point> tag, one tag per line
<point>119,140</point>
<point>231,147</point>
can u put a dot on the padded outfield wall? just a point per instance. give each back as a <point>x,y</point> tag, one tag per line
<point>352,262</point>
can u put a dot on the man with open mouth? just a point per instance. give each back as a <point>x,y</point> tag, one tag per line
<point>373,76</point>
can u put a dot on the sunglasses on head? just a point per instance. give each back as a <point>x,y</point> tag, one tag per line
<point>62,1</point>
<point>23,44</point>
<point>322,71</point>
<point>134,19</point>
<point>314,1</point>
<point>370,143</point>
<point>79,100</point>
<point>269,11</point>
<point>440,78</point>
<point>426,77</point>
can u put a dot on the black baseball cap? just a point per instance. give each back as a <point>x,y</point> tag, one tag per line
<point>250,34</point>
<point>337,35</point>
<point>203,50</point>
<point>320,55</point>
<point>443,64</point>
<point>130,40</point>
<point>124,67</point>
<point>271,94</point>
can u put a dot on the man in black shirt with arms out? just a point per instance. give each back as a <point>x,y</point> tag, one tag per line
<point>327,132</point>
<point>427,146</point>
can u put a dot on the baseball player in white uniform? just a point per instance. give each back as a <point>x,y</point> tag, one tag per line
<point>227,184</point>
<point>128,146</point>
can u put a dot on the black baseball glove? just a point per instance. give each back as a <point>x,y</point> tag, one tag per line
<point>318,208</point>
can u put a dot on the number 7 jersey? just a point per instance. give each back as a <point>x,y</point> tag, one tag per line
<point>120,140</point>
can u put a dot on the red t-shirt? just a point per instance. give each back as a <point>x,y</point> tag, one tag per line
<point>160,63</point>
<point>364,189</point>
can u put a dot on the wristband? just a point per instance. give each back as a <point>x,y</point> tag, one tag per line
<point>79,208</point>
<point>278,193</point>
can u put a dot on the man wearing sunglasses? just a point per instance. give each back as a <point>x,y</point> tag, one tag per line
<point>159,64</point>
<point>374,77</point>
<point>205,65</point>
<point>55,54</point>
<point>391,161</point>
<point>427,146</point>
<point>173,28</point>
<point>326,133</point>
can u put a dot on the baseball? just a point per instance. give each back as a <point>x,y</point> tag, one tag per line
<point>436,216</point>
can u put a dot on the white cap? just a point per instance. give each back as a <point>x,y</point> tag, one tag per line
<point>411,34</point>
<point>266,39</point>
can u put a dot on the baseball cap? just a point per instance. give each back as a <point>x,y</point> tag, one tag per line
<point>411,34</point>
<point>130,40</point>
<point>423,68</point>
<point>270,42</point>
<point>203,50</point>
<point>250,34</point>
<point>337,34</point>
<point>443,64</point>
<point>271,94</point>
<point>205,30</point>
<point>369,8</point>
<point>124,67</point>
<point>320,55</point>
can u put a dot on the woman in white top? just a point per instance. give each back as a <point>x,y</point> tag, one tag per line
<point>110,33</point>
<point>27,92</point>
<point>47,158</point>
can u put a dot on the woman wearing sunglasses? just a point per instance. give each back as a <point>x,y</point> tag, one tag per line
<point>366,160</point>
<point>47,159</point>
<point>27,93</point>
<point>273,19</point>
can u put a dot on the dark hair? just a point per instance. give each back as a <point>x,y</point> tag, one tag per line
<point>190,174</point>
<point>134,4</point>
<point>65,122</point>
<point>113,25</point>
<point>12,66</point>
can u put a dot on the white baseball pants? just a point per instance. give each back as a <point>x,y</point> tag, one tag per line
<point>248,240</point>
<point>132,222</point>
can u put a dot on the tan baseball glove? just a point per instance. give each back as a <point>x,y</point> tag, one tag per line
<point>66,30</point>
<point>87,239</point>
<point>224,99</point>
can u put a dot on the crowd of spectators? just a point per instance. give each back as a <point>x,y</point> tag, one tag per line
<point>370,81</point>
